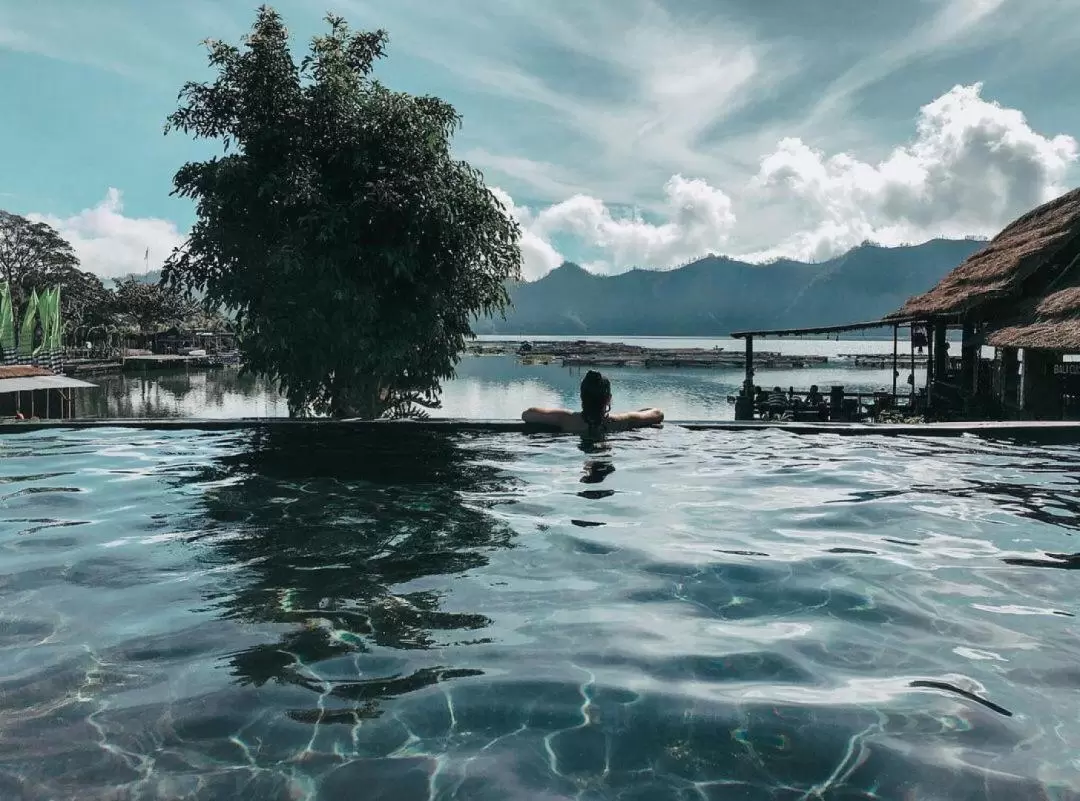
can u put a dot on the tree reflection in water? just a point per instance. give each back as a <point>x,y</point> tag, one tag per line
<point>179,393</point>
<point>330,526</point>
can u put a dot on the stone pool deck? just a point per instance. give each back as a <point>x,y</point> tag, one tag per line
<point>1056,431</point>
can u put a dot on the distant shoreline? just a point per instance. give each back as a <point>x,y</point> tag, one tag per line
<point>614,338</point>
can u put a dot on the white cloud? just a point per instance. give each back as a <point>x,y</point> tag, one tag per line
<point>697,219</point>
<point>110,244</point>
<point>539,256</point>
<point>971,168</point>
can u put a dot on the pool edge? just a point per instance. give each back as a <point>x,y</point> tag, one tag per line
<point>1062,431</point>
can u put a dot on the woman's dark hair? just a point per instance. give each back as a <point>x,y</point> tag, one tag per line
<point>595,399</point>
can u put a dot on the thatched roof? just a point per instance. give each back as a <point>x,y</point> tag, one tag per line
<point>999,270</point>
<point>1051,321</point>
<point>22,371</point>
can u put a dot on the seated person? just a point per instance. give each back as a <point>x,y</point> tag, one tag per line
<point>778,402</point>
<point>761,400</point>
<point>595,418</point>
<point>813,397</point>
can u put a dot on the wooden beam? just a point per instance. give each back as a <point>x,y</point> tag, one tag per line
<point>825,329</point>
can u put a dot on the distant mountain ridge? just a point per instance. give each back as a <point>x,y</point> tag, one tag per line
<point>717,295</point>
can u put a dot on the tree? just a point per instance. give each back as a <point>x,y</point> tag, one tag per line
<point>32,255</point>
<point>152,307</point>
<point>352,249</point>
<point>85,303</point>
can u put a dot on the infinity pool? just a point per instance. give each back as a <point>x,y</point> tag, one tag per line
<point>410,615</point>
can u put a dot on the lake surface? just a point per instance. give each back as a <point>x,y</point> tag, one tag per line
<point>498,387</point>
<point>407,615</point>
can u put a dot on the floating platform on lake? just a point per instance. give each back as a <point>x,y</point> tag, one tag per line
<point>881,361</point>
<point>1042,430</point>
<point>92,367</point>
<point>584,353</point>
<point>169,361</point>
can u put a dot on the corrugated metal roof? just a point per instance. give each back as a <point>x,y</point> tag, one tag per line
<point>41,382</point>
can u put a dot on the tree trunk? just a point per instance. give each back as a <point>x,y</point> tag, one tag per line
<point>362,400</point>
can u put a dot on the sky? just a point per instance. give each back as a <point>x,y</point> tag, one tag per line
<point>620,133</point>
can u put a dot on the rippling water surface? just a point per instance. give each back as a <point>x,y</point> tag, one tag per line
<point>411,615</point>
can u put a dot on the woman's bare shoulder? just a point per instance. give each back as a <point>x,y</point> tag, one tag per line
<point>561,418</point>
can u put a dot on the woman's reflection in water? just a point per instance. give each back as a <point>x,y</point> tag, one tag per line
<point>597,468</point>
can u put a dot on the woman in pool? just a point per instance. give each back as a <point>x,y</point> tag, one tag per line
<point>595,418</point>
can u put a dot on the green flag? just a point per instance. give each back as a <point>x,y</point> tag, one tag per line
<point>44,313</point>
<point>7,325</point>
<point>26,330</point>
<point>57,345</point>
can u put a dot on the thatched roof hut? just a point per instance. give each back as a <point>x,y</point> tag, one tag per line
<point>1013,275</point>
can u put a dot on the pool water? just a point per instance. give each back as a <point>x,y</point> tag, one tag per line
<point>410,615</point>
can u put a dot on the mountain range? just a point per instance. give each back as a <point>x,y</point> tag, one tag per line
<point>717,295</point>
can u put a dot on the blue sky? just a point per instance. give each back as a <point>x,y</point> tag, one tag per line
<point>629,133</point>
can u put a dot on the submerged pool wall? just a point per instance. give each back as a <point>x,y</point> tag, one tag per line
<point>1052,431</point>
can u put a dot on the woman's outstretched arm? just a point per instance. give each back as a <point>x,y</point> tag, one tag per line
<point>638,419</point>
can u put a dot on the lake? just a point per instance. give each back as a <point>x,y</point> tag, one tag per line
<point>498,387</point>
<point>405,615</point>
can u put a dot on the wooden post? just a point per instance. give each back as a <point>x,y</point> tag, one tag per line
<point>1010,368</point>
<point>938,358</point>
<point>911,341</point>
<point>895,367</point>
<point>744,406</point>
<point>836,403</point>
<point>749,383</point>
<point>969,369</point>
<point>1040,391</point>
<point>941,350</point>
<point>930,364</point>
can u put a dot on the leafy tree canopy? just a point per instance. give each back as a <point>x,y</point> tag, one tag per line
<point>152,307</point>
<point>33,255</point>
<point>352,248</point>
<point>85,303</point>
